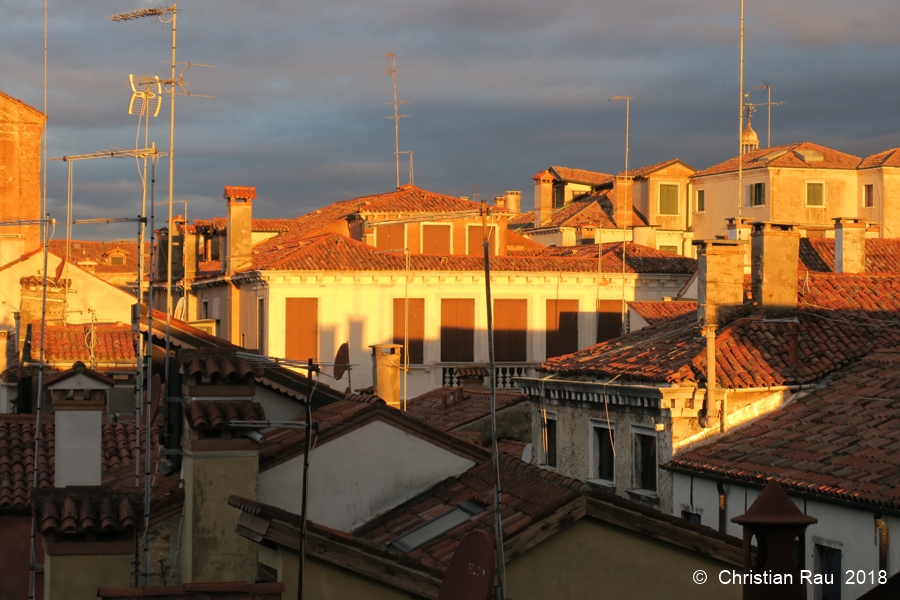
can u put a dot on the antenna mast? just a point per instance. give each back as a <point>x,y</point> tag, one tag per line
<point>740,194</point>
<point>397,116</point>
<point>770,104</point>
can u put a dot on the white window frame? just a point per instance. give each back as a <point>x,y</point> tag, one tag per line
<point>659,212</point>
<point>824,194</point>
<point>697,202</point>
<point>422,234</point>
<point>641,430</point>
<point>495,233</point>
<point>593,426</point>
<point>675,251</point>
<point>864,186</point>
<point>405,233</point>
<point>544,464</point>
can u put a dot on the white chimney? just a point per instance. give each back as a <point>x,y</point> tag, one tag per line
<point>849,245</point>
<point>386,370</point>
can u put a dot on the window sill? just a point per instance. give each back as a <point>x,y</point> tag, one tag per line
<point>819,206</point>
<point>602,485</point>
<point>548,468</point>
<point>645,495</point>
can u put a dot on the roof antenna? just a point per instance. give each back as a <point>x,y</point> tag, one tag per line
<point>397,116</point>
<point>769,104</point>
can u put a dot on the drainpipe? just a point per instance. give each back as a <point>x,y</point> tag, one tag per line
<point>709,401</point>
<point>720,487</point>
<point>881,532</point>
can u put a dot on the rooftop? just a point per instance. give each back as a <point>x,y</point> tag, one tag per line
<point>444,409</point>
<point>659,311</point>
<point>90,344</point>
<point>592,178</point>
<point>882,255</point>
<point>591,210</point>
<point>787,155</point>
<point>649,169</point>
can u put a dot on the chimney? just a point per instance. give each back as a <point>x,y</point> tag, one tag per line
<point>623,199</point>
<point>543,198</point>
<point>239,227</point>
<point>191,254</point>
<point>849,245</point>
<point>78,398</point>
<point>514,202</point>
<point>720,280</point>
<point>500,201</point>
<point>741,232</point>
<point>775,255</point>
<point>386,371</point>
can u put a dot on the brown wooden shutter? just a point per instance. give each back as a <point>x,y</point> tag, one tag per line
<point>609,319</point>
<point>301,336</point>
<point>562,327</point>
<point>510,326</point>
<point>389,237</point>
<point>436,239</point>
<point>457,330</point>
<point>475,241</point>
<point>416,328</point>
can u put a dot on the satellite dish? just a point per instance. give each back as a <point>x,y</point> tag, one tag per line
<point>526,453</point>
<point>179,310</point>
<point>341,361</point>
<point>470,575</point>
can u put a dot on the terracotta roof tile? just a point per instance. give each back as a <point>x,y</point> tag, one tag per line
<point>67,511</point>
<point>220,414</point>
<point>882,255</point>
<point>219,363</point>
<point>593,178</point>
<point>593,210</point>
<point>239,191</point>
<point>449,408</point>
<point>410,199</point>
<point>887,158</point>
<point>785,156</point>
<point>110,342</point>
<point>638,259</point>
<point>220,224</point>
<point>648,169</point>
<point>101,253</point>
<point>838,441</point>
<point>655,312</point>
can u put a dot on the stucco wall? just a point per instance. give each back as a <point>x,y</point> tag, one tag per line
<point>591,559</point>
<point>360,475</point>
<point>77,577</point>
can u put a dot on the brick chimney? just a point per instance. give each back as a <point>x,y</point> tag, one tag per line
<point>514,202</point>
<point>720,280</point>
<point>543,198</point>
<point>239,227</point>
<point>78,398</point>
<point>775,253</point>
<point>849,245</point>
<point>623,198</point>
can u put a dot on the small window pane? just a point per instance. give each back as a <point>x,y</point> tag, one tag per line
<point>668,199</point>
<point>815,194</point>
<point>701,200</point>
<point>645,462</point>
<point>869,196</point>
<point>672,249</point>
<point>550,441</point>
<point>604,454</point>
<point>757,194</point>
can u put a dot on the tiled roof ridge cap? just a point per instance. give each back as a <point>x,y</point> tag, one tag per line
<point>545,474</point>
<point>650,166</point>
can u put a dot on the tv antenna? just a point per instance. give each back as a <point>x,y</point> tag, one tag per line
<point>397,116</point>
<point>769,104</point>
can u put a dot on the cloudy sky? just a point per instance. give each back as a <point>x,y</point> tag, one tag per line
<point>496,91</point>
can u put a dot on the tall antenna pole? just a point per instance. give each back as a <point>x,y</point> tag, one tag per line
<point>770,104</point>
<point>627,100</point>
<point>397,116</point>
<point>740,194</point>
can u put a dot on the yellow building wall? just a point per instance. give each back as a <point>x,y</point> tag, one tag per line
<point>77,577</point>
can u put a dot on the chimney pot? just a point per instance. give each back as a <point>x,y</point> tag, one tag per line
<point>849,245</point>
<point>239,227</point>
<point>513,201</point>
<point>386,368</point>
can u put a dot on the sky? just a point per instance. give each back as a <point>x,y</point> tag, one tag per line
<point>495,92</point>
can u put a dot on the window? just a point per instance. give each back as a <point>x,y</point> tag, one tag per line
<point>548,445</point>
<point>475,240</point>
<point>261,325</point>
<point>562,327</point>
<point>672,249</point>
<point>204,309</point>
<point>757,194</point>
<point>868,195</point>
<point>438,526</point>
<point>603,455</point>
<point>668,199</point>
<point>609,320</point>
<point>510,329</point>
<point>690,517</point>
<point>457,330</point>
<point>416,328</point>
<point>645,461</point>
<point>815,194</point>
<point>117,260</point>
<point>701,200</point>
<point>828,563</point>
<point>559,199</point>
<point>301,336</point>
<point>390,237</point>
<point>436,239</point>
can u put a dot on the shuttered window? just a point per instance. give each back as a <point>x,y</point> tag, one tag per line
<point>475,241</point>
<point>510,326</point>
<point>389,237</point>
<point>757,194</point>
<point>815,194</point>
<point>436,239</point>
<point>416,328</point>
<point>457,330</point>
<point>701,200</point>
<point>609,319</point>
<point>301,335</point>
<point>668,199</point>
<point>562,327</point>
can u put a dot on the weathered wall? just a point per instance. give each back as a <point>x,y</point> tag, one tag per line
<point>15,533</point>
<point>360,475</point>
<point>513,423</point>
<point>590,559</point>
<point>21,127</point>
<point>77,577</point>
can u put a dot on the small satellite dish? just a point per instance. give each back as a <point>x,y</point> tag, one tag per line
<point>470,575</point>
<point>526,453</point>
<point>341,361</point>
<point>179,310</point>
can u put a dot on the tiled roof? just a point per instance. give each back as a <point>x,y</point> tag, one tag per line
<point>270,225</point>
<point>513,447</point>
<point>570,175</point>
<point>220,414</point>
<point>655,312</point>
<point>882,255</point>
<point>79,368</point>
<point>528,494</point>
<point>334,252</point>
<point>593,210</point>
<point>648,169</point>
<point>110,342</point>
<point>214,362</point>
<point>245,192</point>
<point>786,156</point>
<point>231,590</point>
<point>638,259</point>
<point>99,252</point>
<point>840,441</point>
<point>887,158</point>
<point>410,199</point>
<point>840,319</point>
<point>444,409</point>
<point>17,455</point>
<point>68,511</point>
